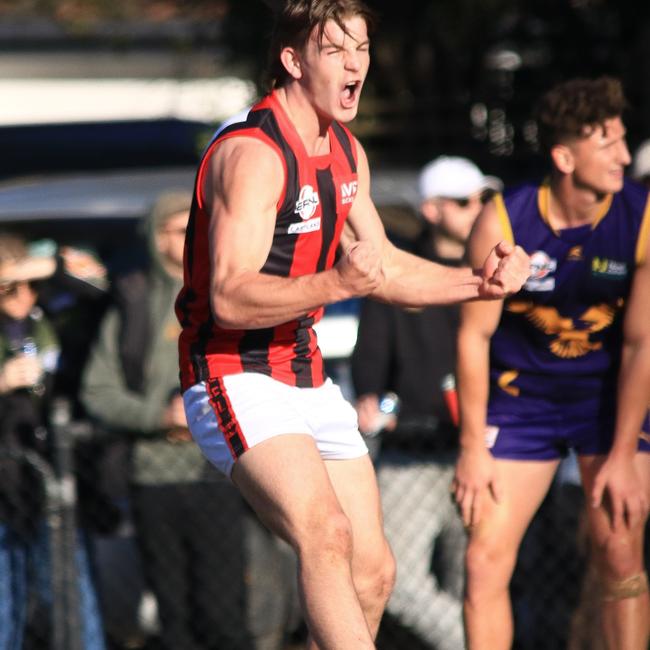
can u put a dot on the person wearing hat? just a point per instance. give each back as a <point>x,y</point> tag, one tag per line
<point>411,353</point>
<point>29,354</point>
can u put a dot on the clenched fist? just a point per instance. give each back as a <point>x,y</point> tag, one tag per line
<point>504,272</point>
<point>359,269</point>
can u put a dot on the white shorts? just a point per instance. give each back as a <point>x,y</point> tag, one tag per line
<point>231,414</point>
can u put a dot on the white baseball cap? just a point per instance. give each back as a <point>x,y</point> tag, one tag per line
<point>454,177</point>
<point>641,161</point>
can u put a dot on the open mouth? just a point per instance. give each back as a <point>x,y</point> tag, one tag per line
<point>350,93</point>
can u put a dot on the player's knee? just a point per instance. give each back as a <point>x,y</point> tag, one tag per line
<point>388,573</point>
<point>488,565</point>
<point>619,555</point>
<point>374,578</point>
<point>632,586</point>
<point>329,537</point>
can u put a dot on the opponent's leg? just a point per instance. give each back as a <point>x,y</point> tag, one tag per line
<point>618,561</point>
<point>373,567</point>
<point>287,484</point>
<point>492,552</point>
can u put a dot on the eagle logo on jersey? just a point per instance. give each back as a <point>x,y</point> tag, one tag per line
<point>571,338</point>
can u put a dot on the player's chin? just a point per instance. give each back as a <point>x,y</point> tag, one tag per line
<point>614,183</point>
<point>346,114</point>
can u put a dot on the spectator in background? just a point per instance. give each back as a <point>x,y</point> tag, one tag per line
<point>641,163</point>
<point>411,352</point>
<point>29,352</point>
<point>189,521</point>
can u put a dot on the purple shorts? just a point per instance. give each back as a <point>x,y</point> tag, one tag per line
<point>532,428</point>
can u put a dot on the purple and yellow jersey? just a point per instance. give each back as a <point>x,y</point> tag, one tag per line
<point>560,337</point>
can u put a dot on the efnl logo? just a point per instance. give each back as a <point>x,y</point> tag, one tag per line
<point>306,207</point>
<point>307,202</point>
<point>348,192</point>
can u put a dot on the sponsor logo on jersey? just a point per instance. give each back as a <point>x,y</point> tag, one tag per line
<point>348,192</point>
<point>604,268</point>
<point>307,202</point>
<point>304,226</point>
<point>541,268</point>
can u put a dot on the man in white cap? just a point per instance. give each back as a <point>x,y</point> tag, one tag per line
<point>412,353</point>
<point>452,191</point>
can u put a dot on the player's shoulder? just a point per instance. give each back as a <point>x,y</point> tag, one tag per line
<point>523,190</point>
<point>244,151</point>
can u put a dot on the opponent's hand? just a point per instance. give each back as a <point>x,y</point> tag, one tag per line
<point>627,501</point>
<point>360,270</point>
<point>506,269</point>
<point>476,479</point>
<point>21,371</point>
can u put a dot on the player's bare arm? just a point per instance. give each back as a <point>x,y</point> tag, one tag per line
<point>241,191</point>
<point>412,281</point>
<point>618,476</point>
<point>476,476</point>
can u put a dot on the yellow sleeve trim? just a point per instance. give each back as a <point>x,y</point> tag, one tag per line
<point>543,203</point>
<point>644,235</point>
<point>504,220</point>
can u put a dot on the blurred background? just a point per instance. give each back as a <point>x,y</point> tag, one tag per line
<point>455,76</point>
<point>105,104</point>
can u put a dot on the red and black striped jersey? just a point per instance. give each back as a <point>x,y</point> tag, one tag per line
<point>316,199</point>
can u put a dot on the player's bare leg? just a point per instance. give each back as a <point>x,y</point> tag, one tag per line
<point>492,552</point>
<point>618,561</point>
<point>373,566</point>
<point>287,484</point>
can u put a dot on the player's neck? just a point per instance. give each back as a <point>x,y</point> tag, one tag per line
<point>570,207</point>
<point>312,128</point>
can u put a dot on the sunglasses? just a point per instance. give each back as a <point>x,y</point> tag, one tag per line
<point>11,288</point>
<point>484,198</point>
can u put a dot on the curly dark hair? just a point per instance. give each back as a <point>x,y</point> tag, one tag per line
<point>295,20</point>
<point>572,109</point>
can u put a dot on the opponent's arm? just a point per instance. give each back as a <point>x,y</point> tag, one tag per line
<point>241,189</point>
<point>476,475</point>
<point>412,281</point>
<point>618,475</point>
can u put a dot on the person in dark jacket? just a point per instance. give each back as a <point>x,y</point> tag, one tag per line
<point>412,353</point>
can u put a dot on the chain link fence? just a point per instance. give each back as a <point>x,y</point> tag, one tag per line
<point>254,605</point>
